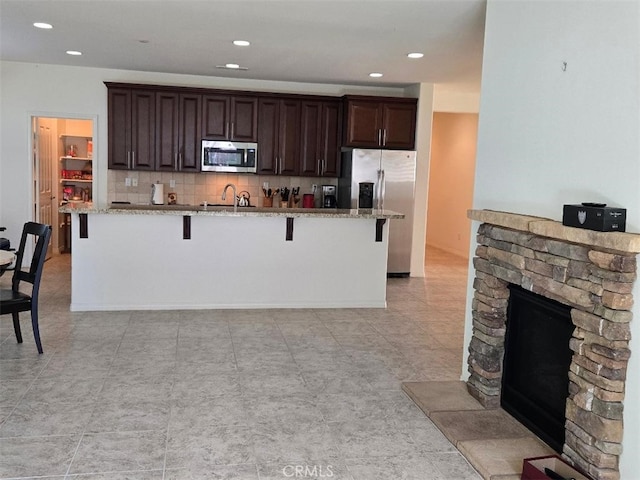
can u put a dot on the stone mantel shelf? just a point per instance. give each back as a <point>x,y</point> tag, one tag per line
<point>545,227</point>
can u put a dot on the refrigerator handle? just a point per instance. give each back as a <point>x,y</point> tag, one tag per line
<point>382,189</point>
<point>378,190</point>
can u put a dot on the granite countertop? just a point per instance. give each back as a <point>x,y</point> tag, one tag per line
<point>224,211</point>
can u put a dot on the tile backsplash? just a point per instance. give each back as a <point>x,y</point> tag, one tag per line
<point>195,188</point>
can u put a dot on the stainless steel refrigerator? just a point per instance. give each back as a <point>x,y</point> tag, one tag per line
<point>393,173</point>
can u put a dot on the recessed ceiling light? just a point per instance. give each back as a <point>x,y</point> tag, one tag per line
<point>241,43</point>
<point>415,55</point>
<point>143,41</point>
<point>232,66</point>
<point>43,25</point>
<point>375,75</point>
<point>73,52</point>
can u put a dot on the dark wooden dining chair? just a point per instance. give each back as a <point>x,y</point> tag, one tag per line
<point>12,300</point>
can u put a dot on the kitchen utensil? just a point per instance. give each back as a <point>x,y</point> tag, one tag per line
<point>243,199</point>
<point>308,200</point>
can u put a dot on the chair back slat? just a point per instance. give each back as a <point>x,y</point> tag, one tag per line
<point>42,234</point>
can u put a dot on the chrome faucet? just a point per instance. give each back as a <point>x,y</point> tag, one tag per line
<point>235,196</point>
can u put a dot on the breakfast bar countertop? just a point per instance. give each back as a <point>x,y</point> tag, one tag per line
<point>227,210</point>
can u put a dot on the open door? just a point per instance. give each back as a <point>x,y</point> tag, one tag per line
<point>62,172</point>
<point>44,156</point>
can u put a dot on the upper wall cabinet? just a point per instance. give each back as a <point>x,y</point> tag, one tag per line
<point>380,122</point>
<point>132,127</point>
<point>230,117</point>
<point>178,131</point>
<point>154,127</point>
<point>320,130</point>
<point>278,137</point>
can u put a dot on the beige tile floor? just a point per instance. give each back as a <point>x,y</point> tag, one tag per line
<point>242,394</point>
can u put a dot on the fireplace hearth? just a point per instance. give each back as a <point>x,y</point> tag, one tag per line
<point>590,273</point>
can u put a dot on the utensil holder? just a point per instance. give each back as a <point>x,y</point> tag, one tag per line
<point>284,204</point>
<point>267,202</point>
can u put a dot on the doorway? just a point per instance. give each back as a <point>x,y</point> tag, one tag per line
<point>62,171</point>
<point>451,178</point>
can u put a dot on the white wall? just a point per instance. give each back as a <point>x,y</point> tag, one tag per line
<point>454,98</point>
<point>549,135</point>
<point>424,92</point>
<point>74,92</point>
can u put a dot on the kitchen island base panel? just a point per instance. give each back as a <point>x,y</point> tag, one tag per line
<point>142,262</point>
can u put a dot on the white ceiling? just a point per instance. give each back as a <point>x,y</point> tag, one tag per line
<point>318,41</point>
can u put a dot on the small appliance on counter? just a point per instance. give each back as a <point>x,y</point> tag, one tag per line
<point>595,216</point>
<point>157,193</point>
<point>365,195</point>
<point>329,199</point>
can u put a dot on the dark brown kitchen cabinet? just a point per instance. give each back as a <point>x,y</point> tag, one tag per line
<point>278,137</point>
<point>375,122</point>
<point>320,130</point>
<point>131,125</point>
<point>230,117</point>
<point>178,131</point>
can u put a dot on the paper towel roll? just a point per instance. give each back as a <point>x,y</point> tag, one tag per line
<point>157,194</point>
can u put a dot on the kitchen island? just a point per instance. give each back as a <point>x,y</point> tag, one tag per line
<point>147,257</point>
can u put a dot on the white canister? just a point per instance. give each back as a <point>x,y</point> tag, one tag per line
<point>157,193</point>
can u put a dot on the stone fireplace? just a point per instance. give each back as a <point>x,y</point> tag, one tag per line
<point>591,272</point>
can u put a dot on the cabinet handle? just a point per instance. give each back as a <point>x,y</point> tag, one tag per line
<point>320,167</point>
<point>279,165</point>
<point>384,137</point>
<point>324,166</point>
<point>129,159</point>
<point>232,130</point>
<point>133,158</point>
<point>380,136</point>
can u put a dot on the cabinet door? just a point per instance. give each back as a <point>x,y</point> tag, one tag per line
<point>267,136</point>
<point>189,139</point>
<point>244,119</point>
<point>119,124</point>
<point>143,125</point>
<point>330,139</point>
<point>364,121</point>
<point>167,122</point>
<point>399,125</point>
<point>310,138</point>
<point>288,139</point>
<point>215,117</point>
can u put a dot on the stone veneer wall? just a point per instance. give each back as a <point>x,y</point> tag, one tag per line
<point>596,281</point>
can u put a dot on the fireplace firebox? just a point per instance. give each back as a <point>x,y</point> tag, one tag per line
<point>535,380</point>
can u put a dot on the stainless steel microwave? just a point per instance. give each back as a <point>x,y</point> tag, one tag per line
<point>224,156</point>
